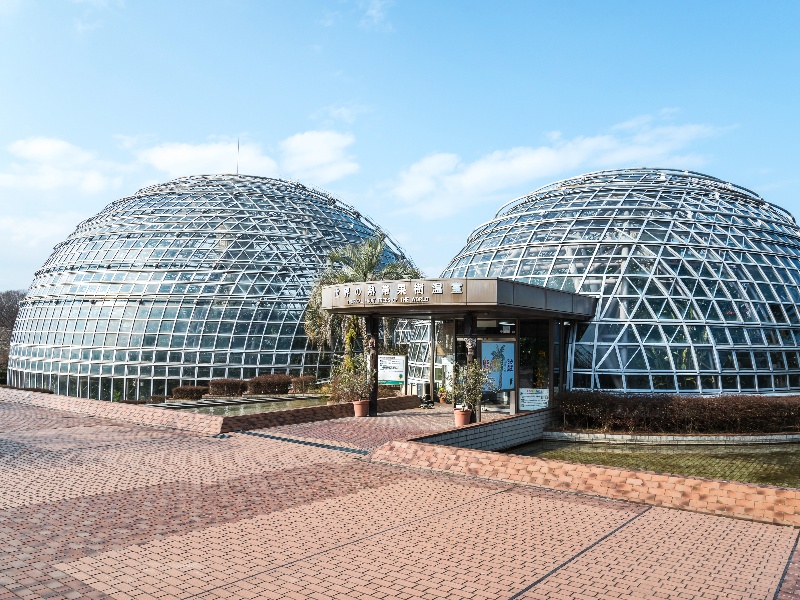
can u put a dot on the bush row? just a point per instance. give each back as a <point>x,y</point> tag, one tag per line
<point>189,392</point>
<point>674,413</point>
<point>263,384</point>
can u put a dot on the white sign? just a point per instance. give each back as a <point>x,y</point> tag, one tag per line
<point>533,398</point>
<point>391,369</point>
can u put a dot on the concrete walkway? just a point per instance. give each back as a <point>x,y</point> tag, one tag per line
<point>91,508</point>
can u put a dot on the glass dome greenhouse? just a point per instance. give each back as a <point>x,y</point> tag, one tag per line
<point>697,278</point>
<point>197,278</point>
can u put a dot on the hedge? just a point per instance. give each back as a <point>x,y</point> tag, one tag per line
<point>269,384</point>
<point>304,384</point>
<point>227,387</point>
<point>189,392</point>
<point>675,413</point>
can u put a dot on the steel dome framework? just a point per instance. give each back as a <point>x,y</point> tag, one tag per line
<point>697,278</point>
<point>197,278</point>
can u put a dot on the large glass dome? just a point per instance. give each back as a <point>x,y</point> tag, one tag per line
<point>698,278</point>
<point>197,278</point>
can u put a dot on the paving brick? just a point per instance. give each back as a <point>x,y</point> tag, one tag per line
<point>92,507</point>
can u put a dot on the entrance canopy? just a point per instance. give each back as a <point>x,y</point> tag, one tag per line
<point>453,298</point>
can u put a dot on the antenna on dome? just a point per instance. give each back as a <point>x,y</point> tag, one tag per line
<point>237,155</point>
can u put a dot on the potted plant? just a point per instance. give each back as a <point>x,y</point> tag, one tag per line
<point>351,381</point>
<point>468,382</point>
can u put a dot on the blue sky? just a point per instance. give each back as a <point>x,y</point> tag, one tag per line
<point>426,115</point>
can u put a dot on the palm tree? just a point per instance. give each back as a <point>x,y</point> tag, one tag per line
<point>365,261</point>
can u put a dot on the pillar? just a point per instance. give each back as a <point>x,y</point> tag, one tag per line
<point>372,333</point>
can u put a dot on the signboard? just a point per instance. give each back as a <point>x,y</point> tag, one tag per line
<point>408,291</point>
<point>498,357</point>
<point>391,370</point>
<point>533,398</point>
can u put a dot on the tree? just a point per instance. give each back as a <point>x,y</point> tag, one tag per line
<point>9,308</point>
<point>369,260</point>
<point>468,383</point>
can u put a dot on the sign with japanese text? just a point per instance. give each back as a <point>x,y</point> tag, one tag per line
<point>391,370</point>
<point>533,398</point>
<point>410,291</point>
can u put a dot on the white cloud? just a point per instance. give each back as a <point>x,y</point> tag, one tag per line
<point>314,156</point>
<point>345,113</point>
<point>318,156</point>
<point>50,164</point>
<point>329,19</point>
<point>177,159</point>
<point>442,184</point>
<point>30,232</point>
<point>42,163</point>
<point>374,16</point>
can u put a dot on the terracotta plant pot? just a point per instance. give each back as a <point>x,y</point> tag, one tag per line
<point>462,417</point>
<point>361,408</point>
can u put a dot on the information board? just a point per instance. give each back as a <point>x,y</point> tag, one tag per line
<point>533,398</point>
<point>391,369</point>
<point>498,357</point>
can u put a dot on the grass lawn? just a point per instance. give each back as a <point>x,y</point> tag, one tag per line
<point>772,465</point>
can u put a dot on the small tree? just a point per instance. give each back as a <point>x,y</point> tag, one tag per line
<point>365,261</point>
<point>468,383</point>
<point>351,381</point>
<point>9,308</point>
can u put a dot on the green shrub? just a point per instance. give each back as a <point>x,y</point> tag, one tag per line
<point>36,389</point>
<point>227,387</point>
<point>269,384</point>
<point>676,413</point>
<point>304,384</point>
<point>189,392</point>
<point>351,383</point>
<point>142,400</point>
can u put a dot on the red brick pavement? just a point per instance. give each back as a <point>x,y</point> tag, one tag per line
<point>96,509</point>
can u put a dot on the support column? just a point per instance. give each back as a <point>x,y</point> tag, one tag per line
<point>471,342</point>
<point>551,351</point>
<point>431,375</point>
<point>373,324</point>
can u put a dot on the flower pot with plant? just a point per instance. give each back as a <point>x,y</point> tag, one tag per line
<point>467,384</point>
<point>351,381</point>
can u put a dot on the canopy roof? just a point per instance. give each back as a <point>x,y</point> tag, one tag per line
<point>451,298</point>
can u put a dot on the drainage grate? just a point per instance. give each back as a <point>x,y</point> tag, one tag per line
<point>307,443</point>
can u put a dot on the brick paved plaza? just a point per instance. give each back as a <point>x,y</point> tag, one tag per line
<point>94,508</point>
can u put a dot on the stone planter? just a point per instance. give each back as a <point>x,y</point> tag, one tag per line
<point>462,417</point>
<point>361,408</point>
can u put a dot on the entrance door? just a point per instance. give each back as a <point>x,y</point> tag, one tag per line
<point>534,365</point>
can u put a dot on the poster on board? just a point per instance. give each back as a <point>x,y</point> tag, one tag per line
<point>533,398</point>
<point>391,369</point>
<point>498,357</point>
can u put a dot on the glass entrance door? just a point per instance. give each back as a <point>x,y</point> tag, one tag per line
<point>534,365</point>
